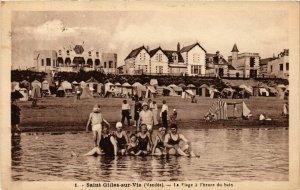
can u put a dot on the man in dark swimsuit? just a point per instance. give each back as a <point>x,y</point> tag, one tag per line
<point>172,140</point>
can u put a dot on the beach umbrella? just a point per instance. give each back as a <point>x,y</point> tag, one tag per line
<point>281,86</point>
<point>242,86</point>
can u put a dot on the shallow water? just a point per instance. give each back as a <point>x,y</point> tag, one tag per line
<point>229,155</point>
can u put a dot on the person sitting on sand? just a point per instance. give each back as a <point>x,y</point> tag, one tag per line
<point>96,118</point>
<point>107,145</point>
<point>172,140</point>
<point>144,140</point>
<point>159,147</point>
<point>133,147</point>
<point>121,138</point>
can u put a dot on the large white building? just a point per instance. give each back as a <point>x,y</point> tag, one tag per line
<point>74,59</point>
<point>279,67</point>
<point>188,60</point>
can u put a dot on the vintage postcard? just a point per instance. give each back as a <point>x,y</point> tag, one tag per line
<point>150,95</point>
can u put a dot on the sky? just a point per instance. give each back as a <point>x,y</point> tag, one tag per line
<point>263,32</point>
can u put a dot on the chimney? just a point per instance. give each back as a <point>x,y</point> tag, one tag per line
<point>178,47</point>
<point>147,48</point>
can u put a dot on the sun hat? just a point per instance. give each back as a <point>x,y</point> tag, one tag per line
<point>174,109</point>
<point>119,125</point>
<point>145,104</point>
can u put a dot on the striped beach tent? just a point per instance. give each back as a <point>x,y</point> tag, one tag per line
<point>219,109</point>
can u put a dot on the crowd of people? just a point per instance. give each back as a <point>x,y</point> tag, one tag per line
<point>166,142</point>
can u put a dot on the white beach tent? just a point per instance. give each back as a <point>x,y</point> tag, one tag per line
<point>138,89</point>
<point>178,90</point>
<point>204,90</point>
<point>100,88</point>
<point>75,83</point>
<point>108,86</point>
<point>192,88</point>
<point>126,89</point>
<point>46,86</point>
<point>82,84</point>
<point>66,85</point>
<point>263,92</point>
<point>25,84</point>
<point>151,92</point>
<point>35,82</point>
<point>171,91</point>
<point>153,82</point>
<point>24,92</point>
<point>92,83</point>
<point>118,88</point>
<point>188,94</point>
<point>86,93</point>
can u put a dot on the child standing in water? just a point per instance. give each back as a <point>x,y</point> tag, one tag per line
<point>96,118</point>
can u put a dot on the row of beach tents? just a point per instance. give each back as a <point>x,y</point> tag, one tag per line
<point>150,90</point>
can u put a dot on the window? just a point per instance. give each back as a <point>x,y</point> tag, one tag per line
<point>48,61</point>
<point>42,62</point>
<point>281,67</point>
<point>271,68</point>
<point>156,57</point>
<point>110,64</point>
<point>195,69</point>
<point>104,64</point>
<point>287,66</point>
<point>53,63</point>
<point>159,69</point>
<point>174,57</point>
<point>196,58</point>
<point>252,61</point>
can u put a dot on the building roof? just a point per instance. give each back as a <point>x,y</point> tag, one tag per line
<point>135,52</point>
<point>234,49</point>
<point>215,58</point>
<point>188,48</point>
<point>266,60</point>
<point>230,67</point>
<point>169,55</point>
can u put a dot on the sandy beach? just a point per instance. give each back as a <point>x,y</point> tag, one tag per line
<point>68,114</point>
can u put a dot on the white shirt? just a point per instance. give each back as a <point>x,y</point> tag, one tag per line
<point>125,107</point>
<point>164,108</point>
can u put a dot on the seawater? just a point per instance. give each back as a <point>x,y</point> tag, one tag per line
<point>227,155</point>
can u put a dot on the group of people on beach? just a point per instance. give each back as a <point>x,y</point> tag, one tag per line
<point>166,142</point>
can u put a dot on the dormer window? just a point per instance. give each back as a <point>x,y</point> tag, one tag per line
<point>59,52</point>
<point>97,54</point>
<point>68,52</point>
<point>90,53</point>
<point>174,57</point>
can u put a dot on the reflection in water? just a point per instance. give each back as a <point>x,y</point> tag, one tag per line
<point>233,155</point>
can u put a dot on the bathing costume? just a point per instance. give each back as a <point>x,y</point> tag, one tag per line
<point>107,146</point>
<point>143,142</point>
<point>172,141</point>
<point>121,141</point>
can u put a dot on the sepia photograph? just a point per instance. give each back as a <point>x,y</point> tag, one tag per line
<point>177,95</point>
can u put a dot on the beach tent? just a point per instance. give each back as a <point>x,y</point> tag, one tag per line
<point>66,85</point>
<point>126,89</point>
<point>168,91</point>
<point>75,83</point>
<point>35,82</point>
<point>227,92</point>
<point>15,86</point>
<point>46,87</point>
<point>82,84</point>
<point>153,82</point>
<point>86,93</point>
<point>219,110</point>
<point>213,92</point>
<point>188,94</point>
<point>192,88</point>
<point>92,84</point>
<point>178,90</point>
<point>204,90</point>
<point>159,90</point>
<point>60,92</point>
<point>100,88</point>
<point>118,88</point>
<point>139,89</point>
<point>246,111</point>
<point>272,91</point>
<point>151,92</point>
<point>263,92</point>
<point>285,111</point>
<point>24,92</point>
<point>183,86</point>
<point>24,84</point>
<point>108,86</point>
<point>36,92</point>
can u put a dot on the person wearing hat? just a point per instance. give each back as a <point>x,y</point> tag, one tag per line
<point>146,117</point>
<point>121,138</point>
<point>173,116</point>
<point>95,119</point>
<point>172,141</point>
